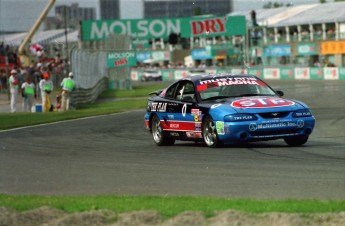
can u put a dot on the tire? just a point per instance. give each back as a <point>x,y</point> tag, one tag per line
<point>160,137</point>
<point>296,140</point>
<point>209,133</point>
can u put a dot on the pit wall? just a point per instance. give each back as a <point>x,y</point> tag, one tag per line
<point>286,73</point>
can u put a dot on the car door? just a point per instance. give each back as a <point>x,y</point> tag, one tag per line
<point>182,116</point>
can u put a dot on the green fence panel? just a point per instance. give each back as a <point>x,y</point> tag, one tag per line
<point>255,71</point>
<point>342,73</point>
<point>287,73</point>
<point>168,75</point>
<point>316,73</point>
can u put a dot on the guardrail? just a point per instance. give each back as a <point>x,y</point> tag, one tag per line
<point>90,95</point>
<point>283,73</point>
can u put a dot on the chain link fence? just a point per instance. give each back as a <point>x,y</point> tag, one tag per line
<point>88,64</point>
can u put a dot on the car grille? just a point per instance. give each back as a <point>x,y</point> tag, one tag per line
<point>274,114</point>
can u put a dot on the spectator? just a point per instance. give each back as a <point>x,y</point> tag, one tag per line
<point>28,93</point>
<point>68,85</point>
<point>46,87</point>
<point>13,83</point>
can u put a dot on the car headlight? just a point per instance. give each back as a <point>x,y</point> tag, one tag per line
<point>239,117</point>
<point>302,113</point>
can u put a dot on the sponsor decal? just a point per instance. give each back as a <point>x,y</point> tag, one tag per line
<point>279,124</point>
<point>159,107</point>
<point>220,127</point>
<point>184,109</point>
<point>269,102</point>
<point>209,83</point>
<point>197,126</point>
<point>171,116</point>
<point>253,126</point>
<point>196,112</point>
<point>196,118</point>
<point>174,126</point>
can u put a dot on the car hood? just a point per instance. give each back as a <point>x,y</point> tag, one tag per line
<point>258,104</point>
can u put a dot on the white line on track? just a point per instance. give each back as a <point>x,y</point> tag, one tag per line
<point>68,120</point>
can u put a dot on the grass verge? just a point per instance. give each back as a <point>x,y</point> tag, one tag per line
<point>10,120</point>
<point>169,206</point>
<point>137,91</point>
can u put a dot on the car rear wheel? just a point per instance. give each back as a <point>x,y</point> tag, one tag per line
<point>296,140</point>
<point>209,133</point>
<point>160,137</point>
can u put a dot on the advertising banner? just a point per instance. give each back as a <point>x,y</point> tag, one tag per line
<point>272,73</point>
<point>121,59</point>
<point>277,50</point>
<point>93,30</point>
<point>333,47</point>
<point>200,54</point>
<point>287,73</point>
<point>306,49</point>
<point>255,71</point>
<point>331,73</point>
<point>316,73</point>
<point>342,73</point>
<point>302,73</point>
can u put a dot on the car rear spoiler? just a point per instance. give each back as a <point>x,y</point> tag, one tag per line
<point>157,92</point>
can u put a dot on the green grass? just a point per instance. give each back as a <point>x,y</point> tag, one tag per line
<point>10,120</point>
<point>169,206</point>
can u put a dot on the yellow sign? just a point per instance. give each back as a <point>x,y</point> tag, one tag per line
<point>333,47</point>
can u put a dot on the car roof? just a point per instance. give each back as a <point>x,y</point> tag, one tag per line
<point>215,76</point>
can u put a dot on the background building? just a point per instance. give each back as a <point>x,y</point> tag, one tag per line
<point>109,9</point>
<point>73,14</point>
<point>186,8</point>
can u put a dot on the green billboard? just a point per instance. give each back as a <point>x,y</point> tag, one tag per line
<point>93,30</point>
<point>121,59</point>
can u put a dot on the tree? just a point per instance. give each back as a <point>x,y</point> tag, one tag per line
<point>322,1</point>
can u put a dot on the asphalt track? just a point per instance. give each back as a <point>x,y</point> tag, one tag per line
<point>114,154</point>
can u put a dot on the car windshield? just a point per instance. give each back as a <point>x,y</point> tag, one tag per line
<point>227,87</point>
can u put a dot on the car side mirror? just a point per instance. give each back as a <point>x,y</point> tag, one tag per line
<point>280,93</point>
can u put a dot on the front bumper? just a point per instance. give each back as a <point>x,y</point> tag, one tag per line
<point>246,131</point>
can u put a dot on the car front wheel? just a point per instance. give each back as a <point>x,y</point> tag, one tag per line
<point>209,133</point>
<point>296,140</point>
<point>160,137</point>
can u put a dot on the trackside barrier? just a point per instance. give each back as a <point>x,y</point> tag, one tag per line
<point>275,73</point>
<point>82,96</point>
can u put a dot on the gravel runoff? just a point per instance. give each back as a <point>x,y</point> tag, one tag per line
<point>46,216</point>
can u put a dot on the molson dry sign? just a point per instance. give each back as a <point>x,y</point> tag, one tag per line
<point>162,28</point>
<point>213,26</point>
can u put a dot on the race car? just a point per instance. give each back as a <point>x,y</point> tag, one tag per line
<point>225,109</point>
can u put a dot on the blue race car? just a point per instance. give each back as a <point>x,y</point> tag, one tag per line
<point>226,109</point>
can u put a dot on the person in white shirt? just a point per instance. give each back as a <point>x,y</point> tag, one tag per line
<point>46,87</point>
<point>28,93</point>
<point>13,83</point>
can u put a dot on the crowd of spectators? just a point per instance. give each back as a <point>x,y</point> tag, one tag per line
<point>56,67</point>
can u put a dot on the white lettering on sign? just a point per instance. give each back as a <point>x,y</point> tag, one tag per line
<point>159,107</point>
<point>136,28</point>
<point>228,80</point>
<point>121,55</point>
